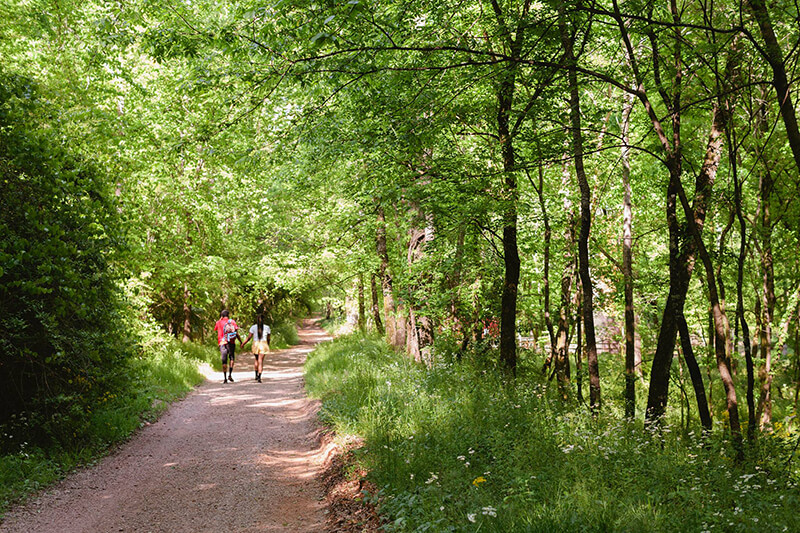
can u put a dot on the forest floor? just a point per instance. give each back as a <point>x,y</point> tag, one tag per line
<point>242,456</point>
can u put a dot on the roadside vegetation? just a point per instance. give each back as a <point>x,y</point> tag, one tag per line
<point>456,447</point>
<point>41,448</point>
<point>586,201</point>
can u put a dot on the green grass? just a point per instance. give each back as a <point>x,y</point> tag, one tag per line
<point>284,334</point>
<point>166,370</point>
<point>456,448</point>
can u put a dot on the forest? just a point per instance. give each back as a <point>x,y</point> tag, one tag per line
<point>584,212</point>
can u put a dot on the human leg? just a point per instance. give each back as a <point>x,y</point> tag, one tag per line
<point>231,359</point>
<point>223,352</point>
<point>259,364</point>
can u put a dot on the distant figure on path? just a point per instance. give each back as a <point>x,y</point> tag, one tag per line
<point>227,333</point>
<point>260,333</point>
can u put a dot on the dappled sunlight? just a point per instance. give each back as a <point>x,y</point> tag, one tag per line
<point>223,445</point>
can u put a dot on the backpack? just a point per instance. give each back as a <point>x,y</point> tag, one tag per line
<point>229,331</point>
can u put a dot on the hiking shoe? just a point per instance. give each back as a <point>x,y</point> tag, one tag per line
<point>258,379</point>
<point>230,378</point>
<point>226,380</point>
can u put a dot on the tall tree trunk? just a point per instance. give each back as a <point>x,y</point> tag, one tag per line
<point>722,333</point>
<point>187,314</point>
<point>780,80</point>
<point>548,232</point>
<point>362,308</point>
<point>579,348</point>
<point>740,317</point>
<point>505,100</point>
<point>627,264</point>
<point>389,312</point>
<point>694,373</point>
<point>586,216</point>
<point>766,304</point>
<point>508,310</point>
<point>764,412</point>
<point>559,350</point>
<point>681,262</point>
<point>412,337</point>
<point>376,311</point>
<point>420,326</point>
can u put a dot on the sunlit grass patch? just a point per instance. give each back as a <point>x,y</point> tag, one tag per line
<point>456,447</point>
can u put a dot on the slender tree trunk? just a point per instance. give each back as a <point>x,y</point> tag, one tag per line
<point>187,314</point>
<point>694,373</point>
<point>559,350</point>
<point>627,264</point>
<point>740,317</point>
<point>376,311</point>
<point>389,311</point>
<point>505,99</point>
<point>586,216</point>
<point>579,348</point>
<point>508,310</point>
<point>412,338</point>
<point>420,326</point>
<point>362,307</point>
<point>764,412</point>
<point>547,240</point>
<point>780,80</point>
<point>681,262</point>
<point>722,332</point>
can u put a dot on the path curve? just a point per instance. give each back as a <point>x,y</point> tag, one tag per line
<point>239,457</point>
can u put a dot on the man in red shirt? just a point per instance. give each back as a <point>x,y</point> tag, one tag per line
<point>227,333</point>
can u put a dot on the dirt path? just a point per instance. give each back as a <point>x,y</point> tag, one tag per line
<point>238,457</point>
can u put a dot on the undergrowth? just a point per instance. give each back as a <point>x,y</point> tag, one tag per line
<point>283,334</point>
<point>83,431</point>
<point>458,448</point>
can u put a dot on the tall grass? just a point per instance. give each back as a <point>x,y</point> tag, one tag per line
<point>458,448</point>
<point>164,371</point>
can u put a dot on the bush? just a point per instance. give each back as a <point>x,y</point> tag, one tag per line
<point>63,342</point>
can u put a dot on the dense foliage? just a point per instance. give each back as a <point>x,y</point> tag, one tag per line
<point>603,191</point>
<point>62,337</point>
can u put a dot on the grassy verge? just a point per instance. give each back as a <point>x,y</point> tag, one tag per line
<point>166,370</point>
<point>284,334</point>
<point>455,448</point>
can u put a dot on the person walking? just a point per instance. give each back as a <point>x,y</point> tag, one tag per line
<point>260,333</point>
<point>227,333</point>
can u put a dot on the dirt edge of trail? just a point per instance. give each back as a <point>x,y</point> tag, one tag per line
<point>244,457</point>
<point>344,484</point>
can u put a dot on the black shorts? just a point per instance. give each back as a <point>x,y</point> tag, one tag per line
<point>227,351</point>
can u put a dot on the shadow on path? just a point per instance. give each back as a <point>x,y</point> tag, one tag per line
<point>244,456</point>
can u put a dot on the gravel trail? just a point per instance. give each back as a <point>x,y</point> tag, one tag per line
<point>239,457</point>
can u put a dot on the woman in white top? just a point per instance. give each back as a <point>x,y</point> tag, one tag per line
<point>260,334</point>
